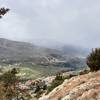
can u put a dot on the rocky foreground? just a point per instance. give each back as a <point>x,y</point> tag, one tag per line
<point>81,87</point>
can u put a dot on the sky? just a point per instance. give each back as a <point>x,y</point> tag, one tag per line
<point>75,22</point>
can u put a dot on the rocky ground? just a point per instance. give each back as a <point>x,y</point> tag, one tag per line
<point>81,87</point>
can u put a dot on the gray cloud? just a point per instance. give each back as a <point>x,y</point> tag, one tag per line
<point>69,21</point>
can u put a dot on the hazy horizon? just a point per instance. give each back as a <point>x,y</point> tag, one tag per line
<point>74,22</point>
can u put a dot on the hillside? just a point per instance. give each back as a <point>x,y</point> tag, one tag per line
<point>81,87</point>
<point>19,52</point>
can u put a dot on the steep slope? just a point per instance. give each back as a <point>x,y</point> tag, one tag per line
<point>82,87</point>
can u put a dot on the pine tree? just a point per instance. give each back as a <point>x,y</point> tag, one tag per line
<point>3,11</point>
<point>93,60</point>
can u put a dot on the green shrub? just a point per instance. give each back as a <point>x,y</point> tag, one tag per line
<point>39,93</point>
<point>9,80</point>
<point>93,60</point>
<point>56,82</point>
<point>85,71</point>
<point>41,87</point>
<point>59,76</point>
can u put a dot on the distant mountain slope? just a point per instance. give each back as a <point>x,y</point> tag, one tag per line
<point>14,51</point>
<point>22,50</point>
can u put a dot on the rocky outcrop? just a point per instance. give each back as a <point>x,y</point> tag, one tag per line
<point>81,87</point>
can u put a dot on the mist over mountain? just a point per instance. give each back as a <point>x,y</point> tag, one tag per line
<point>71,22</point>
<point>66,48</point>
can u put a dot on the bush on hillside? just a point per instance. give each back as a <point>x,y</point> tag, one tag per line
<point>56,82</point>
<point>9,89</point>
<point>40,88</point>
<point>8,81</point>
<point>93,60</point>
<point>85,71</point>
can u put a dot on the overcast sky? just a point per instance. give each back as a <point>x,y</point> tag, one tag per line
<point>74,22</point>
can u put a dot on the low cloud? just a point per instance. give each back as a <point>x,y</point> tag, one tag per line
<point>69,21</point>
